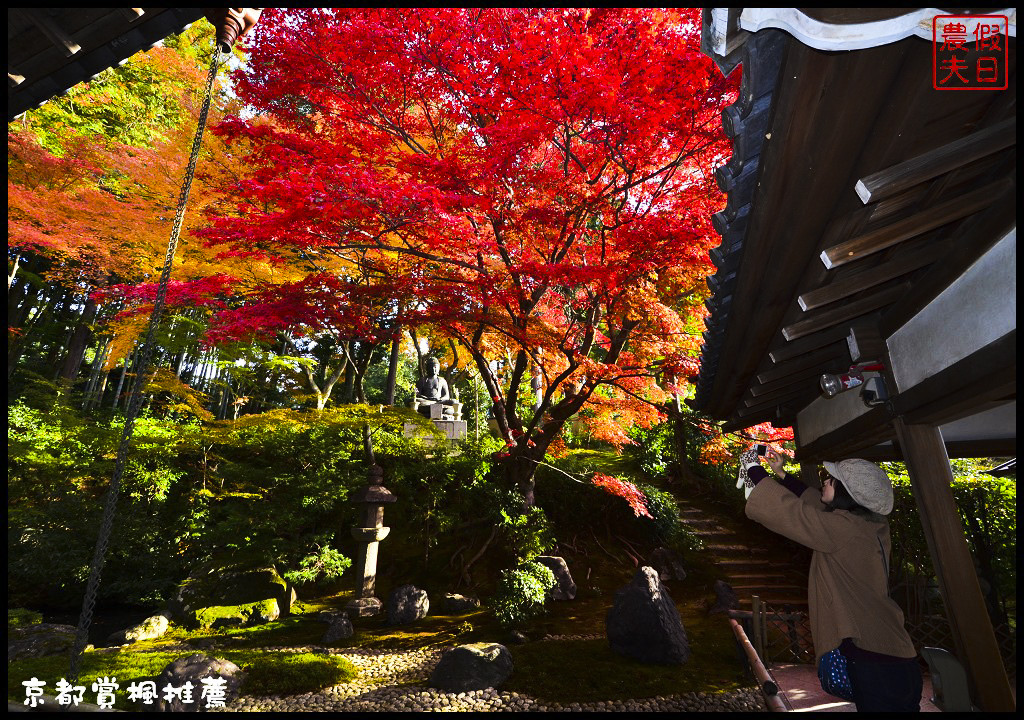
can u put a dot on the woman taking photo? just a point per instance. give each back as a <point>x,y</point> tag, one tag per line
<point>850,610</point>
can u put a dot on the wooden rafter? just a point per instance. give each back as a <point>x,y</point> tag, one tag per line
<point>913,226</point>
<point>53,32</point>
<point>845,312</point>
<point>939,161</point>
<point>842,289</point>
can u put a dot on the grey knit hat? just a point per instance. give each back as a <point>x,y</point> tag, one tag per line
<point>867,483</point>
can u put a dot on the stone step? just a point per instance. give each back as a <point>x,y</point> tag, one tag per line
<point>754,563</point>
<point>766,592</point>
<point>734,550</point>
<point>759,577</point>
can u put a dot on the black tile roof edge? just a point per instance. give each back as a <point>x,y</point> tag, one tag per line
<point>746,121</point>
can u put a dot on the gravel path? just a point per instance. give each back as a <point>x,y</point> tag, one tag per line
<point>396,681</point>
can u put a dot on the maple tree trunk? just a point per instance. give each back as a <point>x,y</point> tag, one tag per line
<point>120,383</point>
<point>78,342</point>
<point>389,392</point>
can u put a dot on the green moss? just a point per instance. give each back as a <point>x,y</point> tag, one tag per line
<point>249,613</point>
<point>289,674</point>
<point>598,673</point>
<point>20,617</point>
<point>266,673</point>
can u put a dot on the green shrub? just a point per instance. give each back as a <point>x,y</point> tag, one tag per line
<point>664,526</point>
<point>20,617</point>
<point>653,448</point>
<point>987,507</point>
<point>520,594</point>
<point>324,564</point>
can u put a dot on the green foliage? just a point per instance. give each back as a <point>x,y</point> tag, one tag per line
<point>987,507</point>
<point>439,488</point>
<point>134,103</point>
<point>520,594</point>
<point>653,448</point>
<point>20,617</point>
<point>664,526</point>
<point>325,563</point>
<point>527,533</point>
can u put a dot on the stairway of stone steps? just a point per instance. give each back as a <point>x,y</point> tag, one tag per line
<point>770,572</point>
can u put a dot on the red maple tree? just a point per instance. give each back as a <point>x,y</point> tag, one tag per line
<point>536,181</point>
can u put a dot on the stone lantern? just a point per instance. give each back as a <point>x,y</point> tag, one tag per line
<point>371,531</point>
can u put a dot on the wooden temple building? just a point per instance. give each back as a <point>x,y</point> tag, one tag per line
<point>870,226</point>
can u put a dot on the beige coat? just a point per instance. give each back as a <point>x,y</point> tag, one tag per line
<point>848,590</point>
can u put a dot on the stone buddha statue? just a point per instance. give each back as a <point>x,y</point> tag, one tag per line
<point>433,399</point>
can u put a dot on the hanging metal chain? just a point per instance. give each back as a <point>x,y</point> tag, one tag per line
<point>135,398</point>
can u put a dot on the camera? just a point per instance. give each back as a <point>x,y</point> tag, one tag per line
<point>761,449</point>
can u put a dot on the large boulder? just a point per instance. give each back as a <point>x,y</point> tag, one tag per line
<point>149,629</point>
<point>565,588</point>
<point>339,627</point>
<point>231,596</point>
<point>476,666</point>
<point>407,604</point>
<point>644,623</point>
<point>39,640</point>
<point>725,598</point>
<point>456,604</point>
<point>223,679</point>
<point>668,563</point>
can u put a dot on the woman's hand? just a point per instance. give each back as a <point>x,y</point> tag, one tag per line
<point>776,461</point>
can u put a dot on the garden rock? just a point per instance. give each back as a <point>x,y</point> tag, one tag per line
<point>726,598</point>
<point>39,640</point>
<point>192,669</point>
<point>476,666</point>
<point>455,604</point>
<point>644,623</point>
<point>231,596</point>
<point>339,627</point>
<point>668,564</point>
<point>149,629</point>
<point>565,588</point>
<point>407,604</point>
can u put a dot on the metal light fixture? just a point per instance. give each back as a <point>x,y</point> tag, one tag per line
<point>833,384</point>
<point>874,391</point>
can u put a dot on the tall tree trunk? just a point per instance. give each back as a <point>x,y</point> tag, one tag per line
<point>389,391</point>
<point>79,341</point>
<point>14,271</point>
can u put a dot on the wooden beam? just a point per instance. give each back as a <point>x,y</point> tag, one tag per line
<point>915,225</point>
<point>866,344</point>
<point>841,289</point>
<point>951,156</point>
<point>931,478</point>
<point>805,344</point>
<point>800,376</point>
<point>812,359</point>
<point>971,239</point>
<point>864,431</point>
<point>53,32</point>
<point>988,375</point>
<point>844,312</point>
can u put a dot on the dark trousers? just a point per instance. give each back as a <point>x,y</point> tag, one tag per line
<point>885,686</point>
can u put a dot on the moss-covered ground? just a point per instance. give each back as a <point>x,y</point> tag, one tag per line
<point>562,669</point>
<point>579,670</point>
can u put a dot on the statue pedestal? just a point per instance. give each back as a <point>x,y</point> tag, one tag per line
<point>453,430</point>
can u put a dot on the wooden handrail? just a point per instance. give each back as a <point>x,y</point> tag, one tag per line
<point>769,688</point>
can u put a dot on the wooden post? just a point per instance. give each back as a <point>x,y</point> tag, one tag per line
<point>931,479</point>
